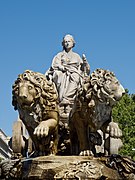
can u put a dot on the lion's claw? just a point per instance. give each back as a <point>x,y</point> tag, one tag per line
<point>86,153</point>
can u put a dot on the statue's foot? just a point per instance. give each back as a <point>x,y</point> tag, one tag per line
<point>86,153</point>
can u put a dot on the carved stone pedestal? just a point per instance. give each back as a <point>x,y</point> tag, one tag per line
<point>67,167</point>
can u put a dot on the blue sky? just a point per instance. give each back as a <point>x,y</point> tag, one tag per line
<point>31,32</point>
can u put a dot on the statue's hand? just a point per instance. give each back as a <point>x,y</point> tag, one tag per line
<point>114,130</point>
<point>84,59</point>
<point>41,130</point>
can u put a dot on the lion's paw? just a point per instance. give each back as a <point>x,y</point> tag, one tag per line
<point>86,153</point>
<point>114,130</point>
<point>41,131</point>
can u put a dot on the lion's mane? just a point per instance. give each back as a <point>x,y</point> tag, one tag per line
<point>98,87</point>
<point>46,91</point>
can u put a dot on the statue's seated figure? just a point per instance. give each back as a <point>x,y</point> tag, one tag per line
<point>67,71</point>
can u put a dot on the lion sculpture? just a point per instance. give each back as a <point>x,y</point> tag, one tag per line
<point>35,98</point>
<point>92,111</point>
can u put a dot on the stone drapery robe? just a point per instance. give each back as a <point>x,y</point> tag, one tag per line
<point>68,74</point>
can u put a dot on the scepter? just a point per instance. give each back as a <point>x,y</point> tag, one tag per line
<point>84,64</point>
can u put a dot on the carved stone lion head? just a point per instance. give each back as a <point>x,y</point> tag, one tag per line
<point>104,85</point>
<point>31,87</point>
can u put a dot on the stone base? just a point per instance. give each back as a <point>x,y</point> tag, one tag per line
<point>67,167</point>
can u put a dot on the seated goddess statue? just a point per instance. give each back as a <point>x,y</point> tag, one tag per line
<point>67,71</point>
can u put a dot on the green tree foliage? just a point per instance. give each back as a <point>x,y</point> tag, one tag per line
<point>124,114</point>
